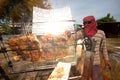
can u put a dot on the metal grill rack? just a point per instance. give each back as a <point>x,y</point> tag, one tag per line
<point>44,65</point>
<point>29,66</point>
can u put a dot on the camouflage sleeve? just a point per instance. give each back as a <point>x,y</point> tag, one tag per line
<point>104,48</point>
<point>77,35</point>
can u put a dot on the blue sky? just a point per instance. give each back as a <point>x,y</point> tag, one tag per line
<point>98,8</point>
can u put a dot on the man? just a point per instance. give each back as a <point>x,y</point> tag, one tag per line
<point>91,31</point>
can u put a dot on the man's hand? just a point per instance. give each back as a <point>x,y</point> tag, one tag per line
<point>107,64</point>
<point>67,34</point>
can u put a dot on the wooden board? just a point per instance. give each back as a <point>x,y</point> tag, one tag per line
<point>61,72</point>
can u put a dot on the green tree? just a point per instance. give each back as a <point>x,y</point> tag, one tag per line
<point>19,11</point>
<point>13,10</point>
<point>107,18</point>
<point>5,29</point>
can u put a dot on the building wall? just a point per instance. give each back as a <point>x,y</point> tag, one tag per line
<point>112,30</point>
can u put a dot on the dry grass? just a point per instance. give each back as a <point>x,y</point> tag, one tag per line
<point>114,74</point>
<point>112,43</point>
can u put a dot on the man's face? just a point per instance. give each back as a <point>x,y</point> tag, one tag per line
<point>90,26</point>
<point>87,22</point>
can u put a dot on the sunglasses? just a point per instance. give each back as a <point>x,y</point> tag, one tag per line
<point>87,22</point>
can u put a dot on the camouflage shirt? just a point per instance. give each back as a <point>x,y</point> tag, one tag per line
<point>100,47</point>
